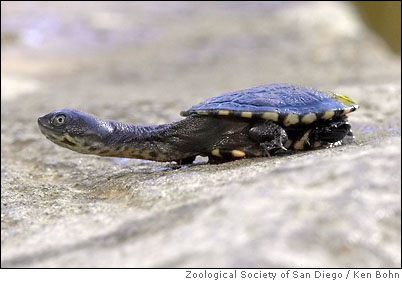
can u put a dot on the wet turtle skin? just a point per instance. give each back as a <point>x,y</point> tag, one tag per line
<point>261,121</point>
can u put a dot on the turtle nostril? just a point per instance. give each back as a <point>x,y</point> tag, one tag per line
<point>41,120</point>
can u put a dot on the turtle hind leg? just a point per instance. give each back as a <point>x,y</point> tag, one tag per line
<point>270,135</point>
<point>349,138</point>
<point>332,132</point>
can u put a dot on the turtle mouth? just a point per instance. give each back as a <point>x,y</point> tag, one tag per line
<point>42,122</point>
<point>53,135</point>
<point>43,125</point>
<point>46,129</point>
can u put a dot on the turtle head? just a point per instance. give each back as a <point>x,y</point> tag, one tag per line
<point>74,130</point>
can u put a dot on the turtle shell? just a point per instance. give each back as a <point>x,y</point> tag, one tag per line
<point>282,103</point>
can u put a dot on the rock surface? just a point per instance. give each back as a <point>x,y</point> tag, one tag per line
<point>142,63</point>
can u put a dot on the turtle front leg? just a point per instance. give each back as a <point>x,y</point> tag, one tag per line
<point>270,135</point>
<point>186,161</point>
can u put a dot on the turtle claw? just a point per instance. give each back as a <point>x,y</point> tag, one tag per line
<point>266,149</point>
<point>271,148</point>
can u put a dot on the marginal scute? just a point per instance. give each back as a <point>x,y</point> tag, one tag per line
<point>328,114</point>
<point>273,116</point>
<point>216,152</point>
<point>346,111</point>
<point>291,119</point>
<point>223,112</point>
<point>202,112</point>
<point>238,153</point>
<point>309,118</point>
<point>246,114</point>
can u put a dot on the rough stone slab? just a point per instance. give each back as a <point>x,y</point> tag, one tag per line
<point>338,207</point>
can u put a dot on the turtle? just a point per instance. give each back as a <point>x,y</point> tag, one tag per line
<point>260,121</point>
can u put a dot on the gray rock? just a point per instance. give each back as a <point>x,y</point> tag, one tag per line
<point>335,207</point>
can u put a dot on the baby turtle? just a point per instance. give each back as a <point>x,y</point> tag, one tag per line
<point>260,121</point>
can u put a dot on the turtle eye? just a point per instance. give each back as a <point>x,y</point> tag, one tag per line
<point>59,119</point>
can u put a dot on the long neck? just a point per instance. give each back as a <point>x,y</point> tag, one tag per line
<point>144,142</point>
